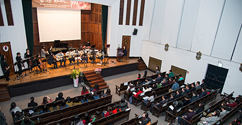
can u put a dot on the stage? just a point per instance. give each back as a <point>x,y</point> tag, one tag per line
<point>60,77</point>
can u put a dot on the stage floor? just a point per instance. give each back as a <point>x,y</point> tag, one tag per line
<point>64,71</point>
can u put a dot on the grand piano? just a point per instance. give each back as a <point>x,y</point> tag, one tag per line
<point>58,44</point>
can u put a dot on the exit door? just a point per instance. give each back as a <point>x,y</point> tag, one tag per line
<point>215,77</point>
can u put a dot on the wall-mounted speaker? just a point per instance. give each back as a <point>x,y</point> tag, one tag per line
<point>135,31</point>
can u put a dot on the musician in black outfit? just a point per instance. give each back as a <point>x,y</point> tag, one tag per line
<point>52,60</point>
<point>18,59</point>
<point>28,56</point>
<point>88,43</point>
<point>5,67</point>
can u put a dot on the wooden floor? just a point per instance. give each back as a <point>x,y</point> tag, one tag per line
<point>64,71</point>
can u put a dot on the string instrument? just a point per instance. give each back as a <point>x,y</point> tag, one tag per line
<point>42,65</point>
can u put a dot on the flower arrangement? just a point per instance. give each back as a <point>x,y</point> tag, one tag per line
<point>98,70</point>
<point>75,73</point>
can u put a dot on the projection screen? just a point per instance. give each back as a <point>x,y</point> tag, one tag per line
<point>59,24</point>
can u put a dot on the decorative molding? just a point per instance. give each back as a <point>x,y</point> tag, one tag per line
<point>199,55</point>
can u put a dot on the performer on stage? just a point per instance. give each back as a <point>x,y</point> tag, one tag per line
<point>41,65</point>
<point>5,67</point>
<point>60,57</point>
<point>77,56</point>
<point>84,57</point>
<point>50,50</point>
<point>52,60</point>
<point>100,55</point>
<point>88,44</point>
<point>43,52</point>
<point>28,56</point>
<point>71,57</point>
<point>18,59</point>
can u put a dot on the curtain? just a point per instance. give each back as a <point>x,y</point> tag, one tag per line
<point>104,25</point>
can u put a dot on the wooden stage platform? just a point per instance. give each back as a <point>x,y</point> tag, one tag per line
<point>60,77</point>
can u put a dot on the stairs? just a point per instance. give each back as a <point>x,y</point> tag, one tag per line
<point>4,95</point>
<point>94,78</point>
<point>141,65</point>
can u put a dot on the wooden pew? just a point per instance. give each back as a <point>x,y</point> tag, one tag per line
<point>170,117</point>
<point>69,111</point>
<point>136,120</point>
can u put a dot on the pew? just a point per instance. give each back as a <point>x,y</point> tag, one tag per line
<point>136,120</point>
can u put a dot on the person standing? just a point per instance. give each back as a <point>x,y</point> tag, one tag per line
<point>28,56</point>
<point>2,118</point>
<point>43,52</point>
<point>124,51</point>
<point>5,67</point>
<point>18,59</point>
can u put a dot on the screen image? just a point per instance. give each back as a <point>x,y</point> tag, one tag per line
<point>59,24</point>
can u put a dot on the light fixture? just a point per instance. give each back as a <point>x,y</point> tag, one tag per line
<point>220,64</point>
<point>199,55</point>
<point>166,47</point>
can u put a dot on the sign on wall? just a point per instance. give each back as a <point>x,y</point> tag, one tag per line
<point>67,4</point>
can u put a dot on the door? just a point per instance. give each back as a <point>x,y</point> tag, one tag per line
<point>153,62</point>
<point>215,77</point>
<point>7,52</point>
<point>126,42</point>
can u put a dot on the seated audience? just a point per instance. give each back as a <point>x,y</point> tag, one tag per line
<point>138,76</point>
<point>69,102</point>
<point>63,105</point>
<point>148,80</point>
<point>59,97</point>
<point>108,112</point>
<point>235,103</point>
<point>198,86</point>
<point>2,117</point>
<point>123,105</point>
<point>17,116</point>
<point>193,88</point>
<point>96,88</point>
<point>27,121</point>
<point>210,120</point>
<point>76,101</point>
<point>76,121</point>
<point>84,90</point>
<point>145,119</point>
<point>35,111</point>
<point>170,73</point>
<point>200,108</point>
<point>180,78</point>
<point>158,85</point>
<point>223,111</point>
<point>146,89</point>
<point>203,83</point>
<point>138,93</point>
<point>204,93</point>
<point>159,104</point>
<point>164,82</point>
<point>171,97</point>
<point>175,86</point>
<point>96,96</point>
<point>159,78</point>
<point>170,81</point>
<point>32,102</point>
<point>157,70</point>
<point>188,117</point>
<point>178,94</point>
<point>44,110</point>
<point>188,90</point>
<point>84,99</point>
<point>54,106</point>
<point>154,86</point>
<point>184,92</point>
<point>108,92</point>
<point>14,108</point>
<point>194,97</point>
<point>86,119</point>
<point>186,100</point>
<point>115,109</point>
<point>46,100</point>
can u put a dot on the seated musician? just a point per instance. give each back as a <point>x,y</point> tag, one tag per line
<point>41,65</point>
<point>28,56</point>
<point>77,56</point>
<point>71,57</point>
<point>88,43</point>
<point>60,57</point>
<point>100,55</point>
<point>52,60</point>
<point>84,58</point>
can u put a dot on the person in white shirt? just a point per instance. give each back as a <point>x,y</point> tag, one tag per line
<point>14,108</point>
<point>146,89</point>
<point>71,57</point>
<point>60,57</point>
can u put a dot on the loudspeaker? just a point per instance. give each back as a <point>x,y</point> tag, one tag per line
<point>135,31</point>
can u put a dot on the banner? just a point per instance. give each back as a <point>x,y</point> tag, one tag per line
<point>67,4</point>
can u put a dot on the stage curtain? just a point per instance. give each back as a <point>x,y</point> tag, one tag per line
<point>27,12</point>
<point>104,25</point>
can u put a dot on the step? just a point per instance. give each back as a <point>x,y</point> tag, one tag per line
<point>99,84</point>
<point>96,81</point>
<point>4,97</point>
<point>104,87</point>
<point>89,72</point>
<point>3,91</point>
<point>94,78</point>
<point>92,75</point>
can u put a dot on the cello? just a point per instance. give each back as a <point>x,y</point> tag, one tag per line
<point>41,64</point>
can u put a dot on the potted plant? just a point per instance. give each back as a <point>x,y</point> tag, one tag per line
<point>75,74</point>
<point>98,70</point>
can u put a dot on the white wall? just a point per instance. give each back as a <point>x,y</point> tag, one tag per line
<point>190,26</point>
<point>14,34</point>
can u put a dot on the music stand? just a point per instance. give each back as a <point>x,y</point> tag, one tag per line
<point>17,76</point>
<point>25,74</point>
<point>44,61</point>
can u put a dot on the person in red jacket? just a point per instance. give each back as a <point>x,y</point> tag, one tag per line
<point>139,92</point>
<point>115,109</point>
<point>235,103</point>
<point>84,90</point>
<point>138,75</point>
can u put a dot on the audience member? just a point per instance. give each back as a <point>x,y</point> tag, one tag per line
<point>200,108</point>
<point>184,92</point>
<point>59,97</point>
<point>198,86</point>
<point>210,120</point>
<point>84,90</point>
<point>158,85</point>
<point>35,111</point>
<point>17,116</point>
<point>138,76</point>
<point>96,88</point>
<point>86,119</point>
<point>175,86</point>
<point>138,93</point>
<point>46,100</point>
<point>123,105</point>
<point>148,80</point>
<point>108,112</point>
<point>145,119</point>
<point>167,76</point>
<point>178,94</point>
<point>27,121</point>
<point>171,97</point>
<point>194,97</point>
<point>235,103</point>
<point>84,99</point>
<point>115,109</point>
<point>76,101</point>
<point>14,108</point>
<point>146,89</point>
<point>188,90</point>
<point>96,96</point>
<point>186,100</point>
<point>188,117</point>
<point>69,102</point>
<point>63,105</point>
<point>193,88</point>
<point>204,93</point>
<point>54,106</point>
<point>171,73</point>
<point>159,78</point>
<point>164,82</point>
<point>223,111</point>
<point>158,105</point>
<point>170,81</point>
<point>157,70</point>
<point>45,109</point>
<point>180,78</point>
<point>32,103</point>
<point>108,92</point>
<point>2,118</point>
<point>203,83</point>
<point>76,121</point>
